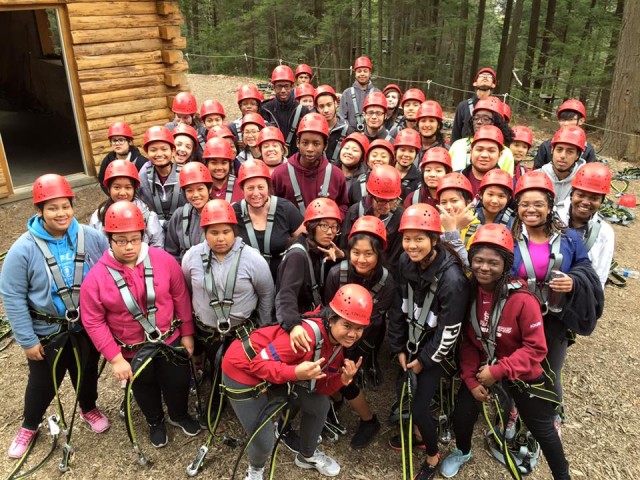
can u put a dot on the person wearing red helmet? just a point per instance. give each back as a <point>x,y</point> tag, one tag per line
<point>252,124</point>
<point>305,95</point>
<point>304,74</point>
<point>225,133</point>
<point>425,319</point>
<point>374,110</point>
<point>435,164</point>
<point>486,113</point>
<point>185,139</point>
<point>407,151</point>
<point>249,101</point>
<point>267,358</point>
<point>555,264</point>
<point>183,229</point>
<point>219,158</point>
<point>495,198</point>
<point>283,111</point>
<point>410,103</point>
<point>589,188</point>
<point>326,104</point>
<point>273,150</point>
<point>159,186</point>
<point>352,157</point>
<point>126,337</point>
<point>380,152</point>
<point>457,210</point>
<point>185,110</point>
<point>122,183</point>
<point>212,113</point>
<point>121,139</point>
<point>308,174</point>
<point>39,279</point>
<point>429,123</point>
<point>266,222</point>
<point>483,83</point>
<point>394,116</point>
<point>570,113</point>
<point>503,346</point>
<point>520,146</point>
<point>352,98</point>
<point>567,146</point>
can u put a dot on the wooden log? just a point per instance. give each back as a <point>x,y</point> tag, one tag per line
<point>117,84</point>
<point>120,95</point>
<point>169,33</point>
<point>172,56</point>
<point>123,108</point>
<point>177,67</point>
<point>167,8</point>
<point>123,21</point>
<point>122,72</point>
<point>174,79</point>
<point>120,59</point>
<point>111,8</point>
<point>131,46</point>
<point>161,115</point>
<point>100,137</point>
<point>122,34</point>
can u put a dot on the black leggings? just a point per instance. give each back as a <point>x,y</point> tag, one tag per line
<point>40,390</point>
<point>536,413</point>
<point>428,383</point>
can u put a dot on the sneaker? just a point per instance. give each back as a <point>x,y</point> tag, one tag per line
<point>427,471</point>
<point>290,437</point>
<point>451,465</point>
<point>510,431</point>
<point>320,461</point>
<point>189,425</point>
<point>158,434</point>
<point>254,473</point>
<point>96,420</point>
<point>22,441</point>
<point>396,443</point>
<point>365,433</point>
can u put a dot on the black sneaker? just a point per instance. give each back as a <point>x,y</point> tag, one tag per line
<point>396,444</point>
<point>290,437</point>
<point>427,472</point>
<point>365,433</point>
<point>189,425</point>
<point>158,434</point>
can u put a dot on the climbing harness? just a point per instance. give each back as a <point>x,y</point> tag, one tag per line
<point>409,387</point>
<point>614,277</point>
<point>294,125</point>
<point>188,214</point>
<point>324,189</point>
<point>356,111</point>
<point>616,214</point>
<point>336,150</point>
<point>157,202</point>
<point>53,424</point>
<point>315,288</point>
<point>251,233</point>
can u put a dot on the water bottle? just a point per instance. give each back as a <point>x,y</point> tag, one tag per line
<point>623,272</point>
<point>556,300</point>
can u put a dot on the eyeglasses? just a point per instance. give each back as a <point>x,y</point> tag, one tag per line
<point>483,119</point>
<point>384,200</point>
<point>325,227</point>
<point>117,141</point>
<point>282,86</point>
<point>121,242</point>
<point>485,76</point>
<point>536,205</point>
<point>374,114</point>
<point>251,133</point>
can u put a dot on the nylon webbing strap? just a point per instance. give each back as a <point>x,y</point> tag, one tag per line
<point>363,185</point>
<point>251,233</point>
<point>470,103</point>
<point>317,300</point>
<point>336,150</point>
<point>361,208</point>
<point>157,203</point>
<point>296,188</point>
<point>592,232</point>
<point>294,125</point>
<point>69,294</point>
<point>417,326</point>
<point>344,278</point>
<point>357,112</point>
<point>506,216</point>
<point>148,321</point>
<point>317,352</point>
<point>324,189</point>
<point>344,272</point>
<point>416,197</point>
<point>555,261</point>
<point>221,307</point>
<point>230,183</point>
<point>186,222</point>
<point>470,231</point>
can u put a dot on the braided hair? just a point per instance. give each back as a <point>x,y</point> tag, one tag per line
<point>552,224</point>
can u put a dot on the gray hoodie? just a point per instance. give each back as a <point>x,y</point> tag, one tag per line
<point>562,187</point>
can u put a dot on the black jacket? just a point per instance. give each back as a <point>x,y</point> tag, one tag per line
<point>463,114</point>
<point>282,115</point>
<point>136,157</point>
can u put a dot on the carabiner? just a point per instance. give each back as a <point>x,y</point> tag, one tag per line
<point>224,327</point>
<point>194,467</point>
<point>72,316</point>
<point>153,337</point>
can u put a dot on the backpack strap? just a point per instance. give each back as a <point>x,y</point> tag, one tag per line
<point>344,272</point>
<point>362,179</point>
<point>415,197</point>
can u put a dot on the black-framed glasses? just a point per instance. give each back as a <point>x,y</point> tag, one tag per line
<point>483,119</point>
<point>122,242</point>
<point>384,200</point>
<point>325,227</point>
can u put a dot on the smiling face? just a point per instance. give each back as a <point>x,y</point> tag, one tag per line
<point>452,201</point>
<point>584,204</point>
<point>220,238</point>
<point>306,101</point>
<point>121,188</point>
<point>363,75</point>
<point>374,117</point>
<point>428,126</point>
<point>484,155</point>
<point>381,207</point>
<point>212,120</point>
<point>327,107</point>
<point>432,173</point>
<point>417,244</point>
<point>533,208</point>
<point>272,152</point>
<point>160,153</point>
<point>250,134</point>
<point>519,150</point>
<point>218,168</point>
<point>392,99</point>
<point>184,148</point>
<point>405,156</point>
<point>256,191</point>
<point>350,154</point>
<point>345,332</point>
<point>410,108</point>
<point>197,195</point>
<point>363,257</point>
<point>487,266</point>
<point>494,199</point>
<point>57,215</point>
<point>378,156</point>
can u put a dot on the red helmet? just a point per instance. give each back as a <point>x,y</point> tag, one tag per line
<point>429,108</point>
<point>157,134</point>
<point>217,148</point>
<point>408,137</point>
<point>220,131</point>
<point>253,169</point>
<point>420,216</point>
<point>485,70</point>
<point>322,208</point>
<point>593,177</point>
<point>628,200</point>
<point>252,118</point>
<point>382,143</point>
<point>414,94</point>
<point>523,134</point>
<point>489,132</point>
<point>572,135</point>
<point>499,178</point>
<point>326,90</point>
<point>121,168</point>
<point>123,217</point>
<point>305,90</point>
<point>249,92</point>
<point>534,180</point>
<point>314,123</point>
<point>454,180</point>
<point>354,303</point>
<point>362,62</point>
<point>282,73</point>
<point>188,130</point>
<point>384,182</point>
<point>506,112</point>
<point>494,234</point>
<point>573,105</point>
<point>184,103</point>
<point>304,68</point>
<point>120,129</point>
<point>50,186</point>
<point>392,87</point>
<point>194,172</point>
<point>212,107</point>
<point>371,225</point>
<point>492,104</point>
<point>217,211</point>
<point>360,139</point>
<point>437,155</point>
<point>270,134</point>
<point>375,99</point>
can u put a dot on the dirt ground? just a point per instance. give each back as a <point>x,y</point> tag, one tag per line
<point>601,434</point>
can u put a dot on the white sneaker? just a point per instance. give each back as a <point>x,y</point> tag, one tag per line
<point>254,473</point>
<point>321,462</point>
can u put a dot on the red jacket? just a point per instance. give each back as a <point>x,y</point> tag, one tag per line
<point>310,182</point>
<point>521,344</point>
<point>276,362</point>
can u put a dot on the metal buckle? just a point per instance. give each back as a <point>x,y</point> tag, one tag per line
<point>154,337</point>
<point>412,350</point>
<point>72,316</point>
<point>224,327</point>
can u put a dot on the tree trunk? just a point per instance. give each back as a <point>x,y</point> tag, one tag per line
<point>545,49</point>
<point>610,63</point>
<point>531,45</point>
<point>458,72</point>
<point>505,76</point>
<point>475,60</point>
<point>624,104</point>
<point>380,26</point>
<point>586,33</point>
<point>504,39</point>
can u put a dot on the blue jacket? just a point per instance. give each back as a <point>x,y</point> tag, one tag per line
<point>26,282</point>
